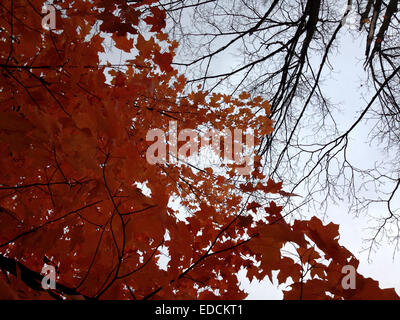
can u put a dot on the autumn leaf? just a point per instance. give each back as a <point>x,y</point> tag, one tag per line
<point>123,43</point>
<point>157,20</point>
<point>164,60</point>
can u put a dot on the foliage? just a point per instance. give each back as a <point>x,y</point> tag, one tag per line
<point>74,155</point>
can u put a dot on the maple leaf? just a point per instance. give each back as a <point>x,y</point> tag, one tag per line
<point>253,206</point>
<point>122,42</point>
<point>164,60</point>
<point>273,187</point>
<point>157,20</point>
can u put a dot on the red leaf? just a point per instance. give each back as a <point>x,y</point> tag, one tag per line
<point>122,42</point>
<point>157,20</point>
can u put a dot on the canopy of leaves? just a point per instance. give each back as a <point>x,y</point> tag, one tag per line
<point>74,155</point>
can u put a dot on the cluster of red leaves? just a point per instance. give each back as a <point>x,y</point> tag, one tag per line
<point>73,150</point>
